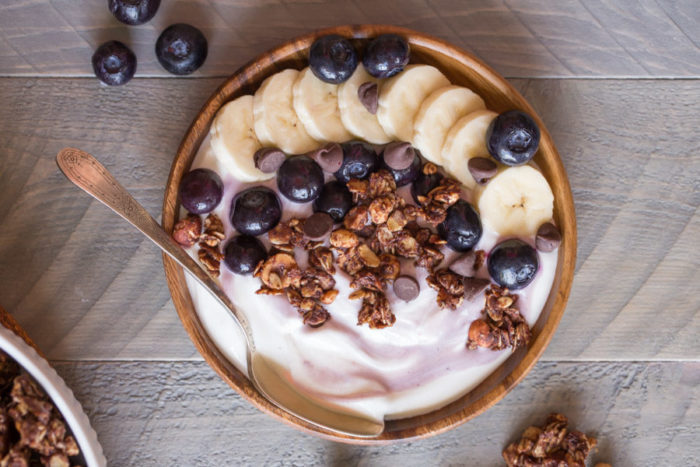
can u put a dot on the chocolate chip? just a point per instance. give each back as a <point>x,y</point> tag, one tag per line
<point>368,93</point>
<point>464,264</point>
<point>318,225</point>
<point>474,286</point>
<point>406,288</point>
<point>399,155</point>
<point>548,237</point>
<point>268,160</point>
<point>329,157</point>
<point>482,169</point>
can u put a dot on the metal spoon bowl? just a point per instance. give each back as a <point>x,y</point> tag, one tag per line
<point>266,375</point>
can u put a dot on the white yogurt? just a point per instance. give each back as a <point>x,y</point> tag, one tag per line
<point>419,364</point>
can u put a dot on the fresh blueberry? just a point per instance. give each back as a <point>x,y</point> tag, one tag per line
<point>404,176</point>
<point>513,138</point>
<point>300,179</point>
<point>133,12</point>
<point>462,226</point>
<point>255,210</point>
<point>359,161</point>
<point>332,59</point>
<point>513,264</point>
<point>386,55</point>
<point>242,253</point>
<point>335,200</point>
<point>114,63</point>
<point>181,49</point>
<point>201,191</point>
<point>424,183</point>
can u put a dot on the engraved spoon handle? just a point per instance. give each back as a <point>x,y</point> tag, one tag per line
<point>88,174</point>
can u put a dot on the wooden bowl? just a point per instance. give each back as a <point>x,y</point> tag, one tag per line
<point>461,68</point>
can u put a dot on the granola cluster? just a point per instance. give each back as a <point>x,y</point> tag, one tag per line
<point>32,431</point>
<point>552,445</point>
<point>189,231</point>
<point>502,325</point>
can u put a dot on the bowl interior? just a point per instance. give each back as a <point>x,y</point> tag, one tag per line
<point>462,69</point>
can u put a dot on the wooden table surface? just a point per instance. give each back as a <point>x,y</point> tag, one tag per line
<point>618,85</point>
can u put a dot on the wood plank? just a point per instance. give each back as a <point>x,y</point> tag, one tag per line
<point>537,38</point>
<point>86,286</point>
<point>183,414</point>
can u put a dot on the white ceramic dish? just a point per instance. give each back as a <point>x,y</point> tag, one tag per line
<point>59,392</point>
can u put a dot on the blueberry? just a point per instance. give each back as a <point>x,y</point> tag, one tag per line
<point>201,191</point>
<point>513,264</point>
<point>181,49</point>
<point>255,210</point>
<point>114,63</point>
<point>359,161</point>
<point>404,176</point>
<point>300,179</point>
<point>242,253</point>
<point>424,183</point>
<point>332,59</point>
<point>133,12</point>
<point>335,200</point>
<point>462,226</point>
<point>386,55</point>
<point>513,138</point>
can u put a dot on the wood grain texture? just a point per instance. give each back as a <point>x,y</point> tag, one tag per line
<point>87,286</point>
<point>518,39</point>
<point>184,414</point>
<point>499,95</point>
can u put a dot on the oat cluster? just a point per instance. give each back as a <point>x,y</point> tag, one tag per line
<point>502,325</point>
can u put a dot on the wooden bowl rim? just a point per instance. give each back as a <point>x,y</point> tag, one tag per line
<point>420,426</point>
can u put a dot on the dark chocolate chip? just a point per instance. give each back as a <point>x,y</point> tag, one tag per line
<point>368,93</point>
<point>318,225</point>
<point>406,288</point>
<point>399,155</point>
<point>482,169</point>
<point>548,237</point>
<point>268,160</point>
<point>464,264</point>
<point>474,286</point>
<point>329,157</point>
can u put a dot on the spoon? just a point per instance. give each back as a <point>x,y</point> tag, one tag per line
<point>266,375</point>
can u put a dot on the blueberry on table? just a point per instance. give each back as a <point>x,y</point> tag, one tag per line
<point>114,63</point>
<point>402,161</point>
<point>513,264</point>
<point>332,59</point>
<point>359,161</point>
<point>201,191</point>
<point>300,179</point>
<point>242,253</point>
<point>462,227</point>
<point>255,210</point>
<point>386,55</point>
<point>133,12</point>
<point>335,200</point>
<point>181,49</point>
<point>513,137</point>
<point>424,183</point>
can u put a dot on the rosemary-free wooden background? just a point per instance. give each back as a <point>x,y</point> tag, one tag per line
<point>618,84</point>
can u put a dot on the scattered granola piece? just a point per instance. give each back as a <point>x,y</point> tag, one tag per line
<point>552,445</point>
<point>213,231</point>
<point>375,310</point>
<point>502,325</point>
<point>449,287</point>
<point>188,230</point>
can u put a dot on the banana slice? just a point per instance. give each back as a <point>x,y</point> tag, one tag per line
<point>316,105</point>
<point>437,114</point>
<point>402,95</point>
<point>516,201</point>
<point>354,115</point>
<point>466,139</point>
<point>234,142</point>
<point>276,122</point>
